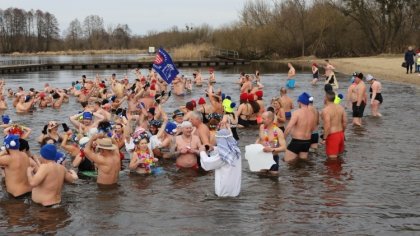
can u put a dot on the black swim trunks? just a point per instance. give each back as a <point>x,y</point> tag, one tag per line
<point>314,138</point>
<point>358,110</point>
<point>27,195</point>
<point>297,146</point>
<point>275,167</point>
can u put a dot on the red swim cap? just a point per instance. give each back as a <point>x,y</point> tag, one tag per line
<point>201,101</point>
<point>243,97</point>
<point>251,97</point>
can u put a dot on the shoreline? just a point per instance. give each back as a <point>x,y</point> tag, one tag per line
<point>383,67</point>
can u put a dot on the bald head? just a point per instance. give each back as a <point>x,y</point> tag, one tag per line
<point>268,118</point>
<point>283,90</point>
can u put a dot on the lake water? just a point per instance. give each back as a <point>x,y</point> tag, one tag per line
<point>374,191</point>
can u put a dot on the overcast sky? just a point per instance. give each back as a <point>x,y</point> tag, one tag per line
<point>141,16</point>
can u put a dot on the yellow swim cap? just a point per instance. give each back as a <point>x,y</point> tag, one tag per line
<point>337,100</point>
<point>227,105</point>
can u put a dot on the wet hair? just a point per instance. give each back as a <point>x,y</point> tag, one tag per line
<point>56,96</point>
<point>23,145</point>
<point>46,139</point>
<point>330,95</point>
<point>84,104</point>
<point>270,109</point>
<point>255,106</point>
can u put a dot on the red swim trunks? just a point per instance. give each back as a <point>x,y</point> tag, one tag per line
<point>335,143</point>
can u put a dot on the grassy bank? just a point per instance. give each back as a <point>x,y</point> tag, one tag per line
<point>383,67</point>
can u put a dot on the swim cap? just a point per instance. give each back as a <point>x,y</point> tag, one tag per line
<point>304,98</point>
<point>78,86</point>
<point>83,141</point>
<point>251,97</point>
<point>189,106</point>
<point>11,142</point>
<point>228,105</point>
<point>49,152</point>
<point>338,98</point>
<point>5,119</point>
<point>170,128</point>
<point>201,101</point>
<point>369,77</point>
<point>87,115</point>
<point>243,97</point>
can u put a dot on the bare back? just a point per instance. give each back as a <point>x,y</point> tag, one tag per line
<point>304,125</point>
<point>16,179</point>
<point>336,117</point>
<point>48,192</point>
<point>108,171</point>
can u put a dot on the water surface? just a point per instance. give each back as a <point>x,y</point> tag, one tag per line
<point>374,191</point>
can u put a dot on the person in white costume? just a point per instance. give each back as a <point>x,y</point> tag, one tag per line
<point>225,159</point>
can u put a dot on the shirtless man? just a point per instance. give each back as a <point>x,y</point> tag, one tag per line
<point>187,146</point>
<point>24,105</point>
<point>300,126</point>
<point>198,80</point>
<point>247,85</point>
<point>272,138</point>
<point>15,164</point>
<point>107,159</point>
<point>335,121</point>
<point>212,78</point>
<point>48,180</point>
<point>286,103</point>
<point>361,97</point>
<point>201,130</point>
<point>178,83</point>
<point>351,94</point>
<point>98,109</point>
<point>87,122</point>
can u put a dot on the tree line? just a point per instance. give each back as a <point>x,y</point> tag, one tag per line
<point>265,29</point>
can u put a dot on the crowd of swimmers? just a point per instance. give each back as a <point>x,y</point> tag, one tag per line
<point>119,119</point>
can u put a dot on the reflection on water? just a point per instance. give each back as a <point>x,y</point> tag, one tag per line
<point>374,189</point>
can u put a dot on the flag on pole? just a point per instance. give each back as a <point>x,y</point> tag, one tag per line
<point>164,66</point>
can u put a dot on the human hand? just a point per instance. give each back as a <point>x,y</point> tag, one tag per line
<point>183,150</point>
<point>267,149</point>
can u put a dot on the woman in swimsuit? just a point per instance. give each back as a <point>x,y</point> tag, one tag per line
<point>244,111</point>
<point>280,117</point>
<point>376,98</point>
<point>252,119</point>
<point>142,159</point>
<point>51,130</point>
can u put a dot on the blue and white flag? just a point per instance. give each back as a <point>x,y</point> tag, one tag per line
<point>164,66</point>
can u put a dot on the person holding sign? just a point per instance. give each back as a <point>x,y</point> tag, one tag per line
<point>272,138</point>
<point>225,159</point>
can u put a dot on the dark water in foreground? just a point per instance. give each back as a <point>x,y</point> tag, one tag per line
<point>375,191</point>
